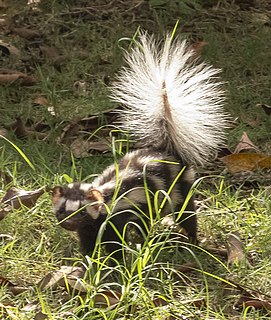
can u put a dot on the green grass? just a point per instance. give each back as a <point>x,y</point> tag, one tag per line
<point>31,242</point>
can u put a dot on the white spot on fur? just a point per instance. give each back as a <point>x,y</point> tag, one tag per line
<point>72,205</point>
<point>85,187</point>
<point>92,212</point>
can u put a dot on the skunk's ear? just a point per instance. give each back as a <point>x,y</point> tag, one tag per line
<point>57,193</point>
<point>94,196</point>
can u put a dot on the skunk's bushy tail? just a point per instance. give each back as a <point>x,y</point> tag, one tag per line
<point>172,102</point>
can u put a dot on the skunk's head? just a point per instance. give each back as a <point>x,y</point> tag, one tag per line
<point>75,204</point>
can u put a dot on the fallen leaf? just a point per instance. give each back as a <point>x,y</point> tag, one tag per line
<point>198,47</point>
<point>81,147</point>
<point>3,213</point>
<point>28,81</point>
<point>3,132</point>
<point>236,253</point>
<point>159,301</point>
<point>19,128</point>
<point>41,101</point>
<point>8,76</point>
<point>80,88</point>
<point>50,53</point>
<point>16,198</point>
<point>244,144</point>
<point>22,132</point>
<point>26,33</point>
<point>187,267</point>
<point>40,316</point>
<point>246,162</point>
<point>94,121</point>
<point>8,49</point>
<point>198,303</point>
<point>248,297</point>
<point>107,298</point>
<point>214,250</point>
<point>5,178</point>
<point>65,275</point>
<point>266,108</point>
<point>7,310</point>
<point>257,304</point>
<point>11,77</point>
<point>11,287</point>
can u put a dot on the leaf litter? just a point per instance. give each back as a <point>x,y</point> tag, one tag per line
<point>15,198</point>
<point>18,199</point>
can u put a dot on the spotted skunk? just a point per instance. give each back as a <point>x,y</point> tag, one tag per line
<point>173,107</point>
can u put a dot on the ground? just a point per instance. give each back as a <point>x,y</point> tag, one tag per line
<point>57,60</point>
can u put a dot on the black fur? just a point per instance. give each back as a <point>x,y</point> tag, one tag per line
<point>156,173</point>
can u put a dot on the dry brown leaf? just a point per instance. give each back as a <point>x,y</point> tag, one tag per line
<point>16,198</point>
<point>7,310</point>
<point>159,302</point>
<point>81,147</point>
<point>257,304</point>
<point>50,53</point>
<point>187,267</point>
<point>5,178</point>
<point>93,121</point>
<point>3,213</point>
<point>246,162</point>
<point>248,297</point>
<point>199,303</point>
<point>19,128</point>
<point>236,253</point>
<point>28,81</point>
<point>215,250</point>
<point>26,33</point>
<point>53,55</point>
<point>3,132</point>
<point>41,101</point>
<point>198,47</point>
<point>21,131</point>
<point>244,144</point>
<point>253,299</point>
<point>11,77</point>
<point>8,49</point>
<point>107,298</point>
<point>102,145</point>
<point>11,287</point>
<point>80,88</point>
<point>253,122</point>
<point>69,132</point>
<point>41,316</point>
<point>65,275</point>
<point>266,108</point>
<point>8,76</point>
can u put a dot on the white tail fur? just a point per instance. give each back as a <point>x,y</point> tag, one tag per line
<point>172,102</point>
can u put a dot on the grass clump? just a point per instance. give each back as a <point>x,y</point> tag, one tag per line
<point>152,281</point>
